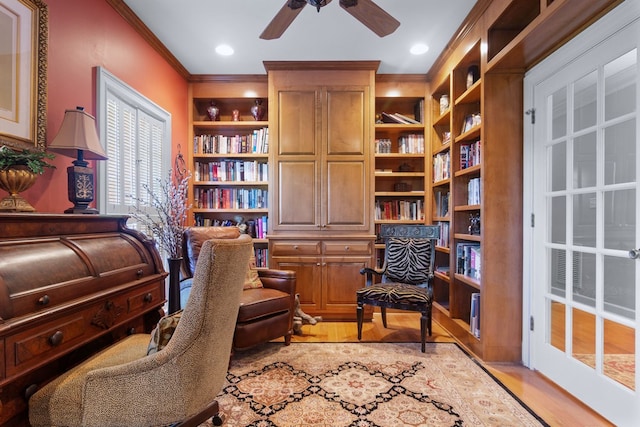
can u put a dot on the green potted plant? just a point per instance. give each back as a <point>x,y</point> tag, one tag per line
<point>35,161</point>
<point>19,171</point>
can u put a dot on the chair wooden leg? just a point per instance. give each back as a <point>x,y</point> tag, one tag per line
<point>383,312</point>
<point>287,339</point>
<point>423,330</point>
<point>359,316</point>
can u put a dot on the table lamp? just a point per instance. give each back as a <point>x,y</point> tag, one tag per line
<point>78,137</point>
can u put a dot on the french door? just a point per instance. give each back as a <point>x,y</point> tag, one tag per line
<point>585,240</point>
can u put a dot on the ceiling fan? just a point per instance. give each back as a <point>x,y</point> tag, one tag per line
<point>365,11</point>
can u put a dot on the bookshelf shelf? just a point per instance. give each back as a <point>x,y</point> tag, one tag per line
<point>468,281</point>
<point>231,183</point>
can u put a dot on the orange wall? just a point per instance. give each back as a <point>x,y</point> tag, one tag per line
<point>84,34</point>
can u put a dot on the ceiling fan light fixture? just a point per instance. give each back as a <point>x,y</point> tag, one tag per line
<point>419,49</point>
<point>318,3</point>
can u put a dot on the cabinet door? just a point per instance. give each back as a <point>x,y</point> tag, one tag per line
<point>345,197</point>
<point>297,173</point>
<point>341,279</point>
<point>308,280</point>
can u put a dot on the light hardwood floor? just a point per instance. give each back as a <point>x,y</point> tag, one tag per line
<point>553,404</point>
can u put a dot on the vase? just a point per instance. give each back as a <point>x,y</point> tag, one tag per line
<point>15,180</point>
<point>174,284</point>
<point>258,110</point>
<point>213,112</point>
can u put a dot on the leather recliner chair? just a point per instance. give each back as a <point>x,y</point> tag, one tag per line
<point>265,313</point>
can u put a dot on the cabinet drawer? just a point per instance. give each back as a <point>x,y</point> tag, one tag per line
<point>293,248</point>
<point>144,299</point>
<point>347,248</point>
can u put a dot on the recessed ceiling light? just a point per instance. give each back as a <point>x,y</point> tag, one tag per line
<point>224,49</point>
<point>419,49</point>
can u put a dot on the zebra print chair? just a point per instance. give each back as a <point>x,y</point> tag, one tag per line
<point>405,277</point>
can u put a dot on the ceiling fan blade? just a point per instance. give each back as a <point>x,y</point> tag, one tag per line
<point>283,19</point>
<point>371,15</point>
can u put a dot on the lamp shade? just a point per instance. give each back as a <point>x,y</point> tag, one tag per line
<point>78,132</point>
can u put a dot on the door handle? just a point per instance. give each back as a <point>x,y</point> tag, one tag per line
<point>634,253</point>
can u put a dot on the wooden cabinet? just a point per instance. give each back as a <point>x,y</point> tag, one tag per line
<point>321,159</point>
<point>229,157</point>
<point>321,206</point>
<point>327,272</point>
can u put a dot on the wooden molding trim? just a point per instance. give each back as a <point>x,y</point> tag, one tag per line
<point>133,20</point>
<point>465,28</point>
<point>321,65</point>
<point>227,78</point>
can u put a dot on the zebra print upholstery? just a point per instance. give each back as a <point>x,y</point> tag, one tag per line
<point>405,279</point>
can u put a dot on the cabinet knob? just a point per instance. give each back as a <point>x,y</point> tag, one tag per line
<point>318,264</point>
<point>139,273</point>
<point>56,339</point>
<point>131,331</point>
<point>346,248</point>
<point>295,247</point>
<point>44,300</point>
<point>148,297</point>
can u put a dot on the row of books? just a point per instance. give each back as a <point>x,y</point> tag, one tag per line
<point>442,203</point>
<point>257,142</point>
<point>398,118</point>
<point>474,318</point>
<point>262,257</point>
<point>398,209</point>
<point>443,240</point>
<point>441,166</point>
<point>470,154</point>
<point>411,144</point>
<point>230,198</point>
<point>231,170</point>
<point>474,191</point>
<point>468,261</point>
<point>256,228</point>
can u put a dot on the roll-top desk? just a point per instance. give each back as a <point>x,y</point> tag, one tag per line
<point>70,285</point>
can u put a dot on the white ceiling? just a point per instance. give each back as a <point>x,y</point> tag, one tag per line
<point>191,29</point>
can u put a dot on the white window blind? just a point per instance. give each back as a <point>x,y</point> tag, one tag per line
<point>136,134</point>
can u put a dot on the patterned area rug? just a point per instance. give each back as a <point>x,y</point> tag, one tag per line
<point>365,385</point>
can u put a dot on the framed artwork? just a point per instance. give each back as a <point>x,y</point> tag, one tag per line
<point>23,73</point>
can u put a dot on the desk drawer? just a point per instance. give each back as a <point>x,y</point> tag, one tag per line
<point>294,248</point>
<point>347,247</point>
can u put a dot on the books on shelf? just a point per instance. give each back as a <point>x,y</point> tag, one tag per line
<point>231,170</point>
<point>474,318</point>
<point>262,255</point>
<point>469,154</point>
<point>443,240</point>
<point>399,210</point>
<point>382,145</point>
<point>257,142</point>
<point>441,166</point>
<point>411,144</point>
<point>398,118</point>
<point>468,260</point>
<point>230,198</point>
<point>256,228</point>
<point>442,203</point>
<point>474,191</point>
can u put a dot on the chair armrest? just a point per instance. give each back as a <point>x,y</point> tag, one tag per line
<point>370,272</point>
<point>283,280</point>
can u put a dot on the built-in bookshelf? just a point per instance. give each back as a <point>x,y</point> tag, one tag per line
<point>456,189</point>
<point>399,153</point>
<point>229,158</point>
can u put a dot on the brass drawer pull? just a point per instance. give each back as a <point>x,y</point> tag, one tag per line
<point>148,297</point>
<point>44,300</point>
<point>56,339</point>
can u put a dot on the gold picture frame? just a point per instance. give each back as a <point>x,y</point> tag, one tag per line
<point>24,31</point>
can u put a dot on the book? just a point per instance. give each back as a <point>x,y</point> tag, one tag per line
<point>406,118</point>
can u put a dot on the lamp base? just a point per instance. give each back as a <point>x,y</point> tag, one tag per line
<point>15,203</point>
<point>82,210</point>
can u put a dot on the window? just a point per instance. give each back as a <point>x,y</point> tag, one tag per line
<point>137,138</point>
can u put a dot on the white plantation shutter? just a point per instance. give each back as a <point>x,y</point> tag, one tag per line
<point>136,134</point>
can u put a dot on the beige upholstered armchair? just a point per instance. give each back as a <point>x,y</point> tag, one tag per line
<point>122,386</point>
